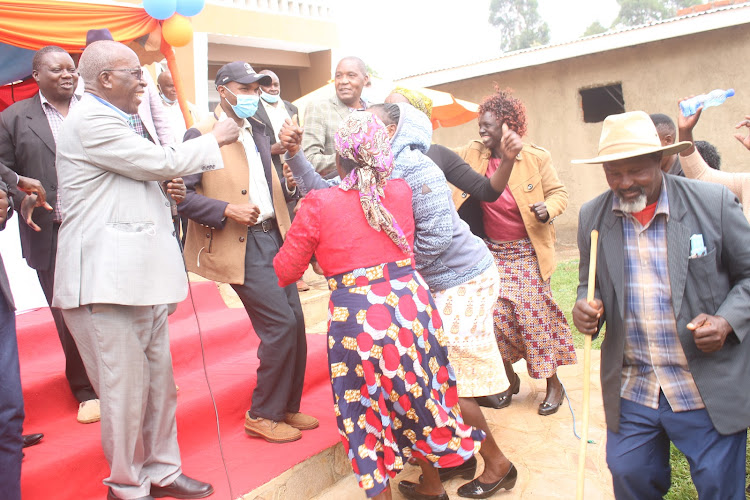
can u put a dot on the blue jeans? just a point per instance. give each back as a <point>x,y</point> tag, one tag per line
<point>638,455</point>
<point>11,406</point>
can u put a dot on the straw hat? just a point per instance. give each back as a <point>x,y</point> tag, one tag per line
<point>628,135</point>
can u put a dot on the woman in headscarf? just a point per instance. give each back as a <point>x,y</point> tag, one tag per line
<point>394,391</point>
<point>518,230</point>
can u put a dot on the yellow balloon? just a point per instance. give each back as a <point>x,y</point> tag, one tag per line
<point>177,30</point>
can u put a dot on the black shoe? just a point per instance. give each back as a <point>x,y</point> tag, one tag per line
<point>183,487</point>
<point>502,399</point>
<point>477,489</point>
<point>409,490</point>
<point>31,439</point>
<point>466,470</point>
<point>547,408</point>
<point>111,496</point>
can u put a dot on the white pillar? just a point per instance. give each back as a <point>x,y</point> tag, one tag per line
<point>200,63</point>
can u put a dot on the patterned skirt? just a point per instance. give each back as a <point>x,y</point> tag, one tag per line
<point>394,391</point>
<point>528,322</point>
<point>467,310</point>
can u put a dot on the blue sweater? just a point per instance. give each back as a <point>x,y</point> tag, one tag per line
<point>446,253</point>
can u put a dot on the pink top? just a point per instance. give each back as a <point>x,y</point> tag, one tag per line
<point>502,219</point>
<point>332,225</point>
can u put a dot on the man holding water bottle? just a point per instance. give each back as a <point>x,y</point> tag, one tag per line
<point>673,282</point>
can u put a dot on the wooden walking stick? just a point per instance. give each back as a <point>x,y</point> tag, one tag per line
<point>587,370</point>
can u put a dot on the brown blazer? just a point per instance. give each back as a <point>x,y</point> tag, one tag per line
<point>215,246</point>
<point>532,179</point>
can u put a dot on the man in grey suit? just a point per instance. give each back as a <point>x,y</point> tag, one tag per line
<point>322,118</point>
<point>673,283</point>
<point>116,241</point>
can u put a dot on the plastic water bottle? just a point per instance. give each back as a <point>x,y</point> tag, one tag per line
<point>713,98</point>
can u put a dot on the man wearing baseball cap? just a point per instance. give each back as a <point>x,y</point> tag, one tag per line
<point>673,282</point>
<point>238,220</point>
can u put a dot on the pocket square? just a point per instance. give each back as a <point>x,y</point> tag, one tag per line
<point>697,246</point>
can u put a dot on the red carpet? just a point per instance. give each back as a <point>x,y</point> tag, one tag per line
<point>69,464</point>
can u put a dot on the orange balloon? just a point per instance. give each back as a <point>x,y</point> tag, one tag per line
<point>177,30</point>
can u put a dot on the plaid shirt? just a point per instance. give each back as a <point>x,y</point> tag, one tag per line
<point>654,360</point>
<point>55,120</point>
<point>136,124</point>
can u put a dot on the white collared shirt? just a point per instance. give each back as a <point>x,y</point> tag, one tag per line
<point>258,192</point>
<point>277,114</point>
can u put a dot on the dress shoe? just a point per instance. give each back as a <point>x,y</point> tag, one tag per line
<point>547,408</point>
<point>409,490</point>
<point>466,470</point>
<point>31,439</point>
<point>301,421</point>
<point>302,286</point>
<point>273,432</point>
<point>111,496</point>
<point>503,399</point>
<point>183,487</point>
<point>477,489</point>
<point>89,411</point>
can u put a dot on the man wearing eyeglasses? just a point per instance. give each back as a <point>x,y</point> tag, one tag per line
<point>28,137</point>
<point>119,267</point>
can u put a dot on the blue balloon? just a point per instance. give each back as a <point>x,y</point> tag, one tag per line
<point>189,8</point>
<point>160,9</point>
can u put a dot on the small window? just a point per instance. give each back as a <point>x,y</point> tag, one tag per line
<point>600,102</point>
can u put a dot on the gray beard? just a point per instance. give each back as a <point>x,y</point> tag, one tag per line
<point>631,207</point>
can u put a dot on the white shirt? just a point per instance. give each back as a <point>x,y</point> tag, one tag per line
<point>176,120</point>
<point>277,114</point>
<point>258,192</point>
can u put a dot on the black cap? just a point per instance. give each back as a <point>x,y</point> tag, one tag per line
<point>240,72</point>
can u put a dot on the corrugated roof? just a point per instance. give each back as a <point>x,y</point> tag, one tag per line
<point>582,46</point>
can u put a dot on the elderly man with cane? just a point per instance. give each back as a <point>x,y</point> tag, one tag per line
<point>672,285</point>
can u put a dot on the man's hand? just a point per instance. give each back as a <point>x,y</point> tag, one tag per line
<point>539,209</point>
<point>226,132</point>
<point>687,123</point>
<point>277,148</point>
<point>291,136</point>
<point>176,189</point>
<point>744,139</point>
<point>586,315</point>
<point>29,203</point>
<point>244,213</point>
<point>33,186</point>
<point>709,332</point>
<point>4,204</point>
<point>290,182</point>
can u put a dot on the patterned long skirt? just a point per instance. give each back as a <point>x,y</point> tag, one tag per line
<point>528,322</point>
<point>467,310</point>
<point>394,391</point>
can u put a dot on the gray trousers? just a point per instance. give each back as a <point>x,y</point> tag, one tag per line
<point>126,353</point>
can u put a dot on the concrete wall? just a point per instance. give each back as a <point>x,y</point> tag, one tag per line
<point>653,76</point>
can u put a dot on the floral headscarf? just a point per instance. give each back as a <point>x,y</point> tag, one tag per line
<point>416,99</point>
<point>362,137</point>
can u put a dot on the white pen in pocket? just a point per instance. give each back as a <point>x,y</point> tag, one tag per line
<point>697,246</point>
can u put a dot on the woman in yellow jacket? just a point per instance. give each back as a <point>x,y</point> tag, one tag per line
<point>518,230</point>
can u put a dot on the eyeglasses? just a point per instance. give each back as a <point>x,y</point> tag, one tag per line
<point>135,72</point>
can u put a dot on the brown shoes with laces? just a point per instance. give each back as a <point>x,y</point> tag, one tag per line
<point>301,421</point>
<point>273,432</point>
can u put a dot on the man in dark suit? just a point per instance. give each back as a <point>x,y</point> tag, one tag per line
<point>28,136</point>
<point>673,283</point>
<point>11,397</point>
<point>238,218</point>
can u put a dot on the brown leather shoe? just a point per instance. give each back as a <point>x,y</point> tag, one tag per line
<point>183,487</point>
<point>301,421</point>
<point>111,496</point>
<point>273,432</point>
<point>302,286</point>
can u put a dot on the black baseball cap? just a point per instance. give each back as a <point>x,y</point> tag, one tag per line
<point>240,72</point>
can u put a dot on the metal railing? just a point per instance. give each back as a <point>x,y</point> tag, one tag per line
<point>310,8</point>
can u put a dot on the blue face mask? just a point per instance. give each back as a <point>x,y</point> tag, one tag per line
<point>246,105</point>
<point>269,98</point>
<point>166,100</point>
